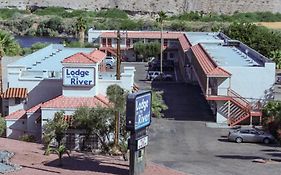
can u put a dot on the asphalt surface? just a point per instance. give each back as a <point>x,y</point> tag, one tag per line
<point>182,141</point>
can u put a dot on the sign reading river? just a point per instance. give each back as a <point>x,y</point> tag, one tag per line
<point>138,110</point>
<point>78,76</point>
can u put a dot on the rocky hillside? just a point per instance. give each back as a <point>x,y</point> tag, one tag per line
<point>152,6</point>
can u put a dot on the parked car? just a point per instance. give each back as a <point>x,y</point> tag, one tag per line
<point>167,65</point>
<point>110,61</point>
<point>151,75</point>
<point>157,75</point>
<point>250,135</point>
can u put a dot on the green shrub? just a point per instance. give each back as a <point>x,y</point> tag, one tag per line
<point>2,125</point>
<point>9,13</point>
<point>27,138</point>
<point>241,17</point>
<point>57,11</point>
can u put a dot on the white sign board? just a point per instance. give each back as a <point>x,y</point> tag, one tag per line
<point>77,76</point>
<point>142,142</point>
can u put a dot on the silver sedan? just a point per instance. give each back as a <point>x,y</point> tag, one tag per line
<point>250,135</point>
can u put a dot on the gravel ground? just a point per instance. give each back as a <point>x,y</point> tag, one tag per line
<point>30,157</point>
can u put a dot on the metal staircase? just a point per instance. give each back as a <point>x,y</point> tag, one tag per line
<point>237,109</point>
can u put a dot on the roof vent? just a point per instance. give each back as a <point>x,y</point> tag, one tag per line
<point>234,43</point>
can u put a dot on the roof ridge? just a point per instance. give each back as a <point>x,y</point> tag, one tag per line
<point>100,99</point>
<point>207,54</point>
<point>88,56</point>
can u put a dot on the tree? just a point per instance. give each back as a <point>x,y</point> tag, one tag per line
<point>272,118</point>
<point>8,45</point>
<point>259,38</point>
<point>161,17</point>
<point>98,121</point>
<point>276,57</point>
<point>158,105</point>
<point>2,125</point>
<point>147,49</point>
<point>55,129</point>
<point>81,25</point>
<point>116,96</point>
<point>60,151</point>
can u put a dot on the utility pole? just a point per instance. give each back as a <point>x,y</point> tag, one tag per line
<point>118,74</point>
<point>118,77</point>
<point>161,49</point>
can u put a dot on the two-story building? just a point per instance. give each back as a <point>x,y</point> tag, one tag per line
<point>235,79</point>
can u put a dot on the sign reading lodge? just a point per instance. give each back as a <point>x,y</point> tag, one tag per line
<point>138,110</point>
<point>78,76</point>
<point>143,111</point>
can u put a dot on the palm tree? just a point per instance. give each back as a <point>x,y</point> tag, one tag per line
<point>60,151</point>
<point>81,25</point>
<point>161,17</point>
<point>116,96</point>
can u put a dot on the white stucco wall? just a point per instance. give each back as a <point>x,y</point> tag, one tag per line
<point>33,127</point>
<point>13,106</point>
<point>15,128</point>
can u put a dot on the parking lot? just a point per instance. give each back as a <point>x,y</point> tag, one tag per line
<point>182,141</point>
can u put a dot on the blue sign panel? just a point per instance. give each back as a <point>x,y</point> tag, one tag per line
<point>78,76</point>
<point>138,110</point>
<point>142,111</point>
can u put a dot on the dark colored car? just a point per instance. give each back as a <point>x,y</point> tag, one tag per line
<point>250,135</point>
<point>167,65</point>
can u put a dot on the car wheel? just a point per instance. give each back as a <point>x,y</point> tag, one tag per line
<point>266,140</point>
<point>239,140</point>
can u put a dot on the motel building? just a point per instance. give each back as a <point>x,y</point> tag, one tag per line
<point>56,79</point>
<point>234,79</point>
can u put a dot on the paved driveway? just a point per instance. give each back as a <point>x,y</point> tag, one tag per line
<point>184,142</point>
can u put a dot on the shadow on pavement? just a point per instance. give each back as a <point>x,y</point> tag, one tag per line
<point>239,157</point>
<point>83,163</point>
<point>185,101</point>
<point>223,140</point>
<point>275,154</point>
<point>270,150</point>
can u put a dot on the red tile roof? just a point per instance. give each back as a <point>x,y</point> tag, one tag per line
<point>76,102</point>
<point>184,42</point>
<point>94,57</point>
<point>98,55</point>
<point>143,34</point>
<point>15,93</point>
<point>20,114</point>
<point>209,67</point>
<point>34,108</point>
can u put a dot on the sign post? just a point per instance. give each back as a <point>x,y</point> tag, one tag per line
<point>138,118</point>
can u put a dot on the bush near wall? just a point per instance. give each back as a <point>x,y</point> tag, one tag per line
<point>2,126</point>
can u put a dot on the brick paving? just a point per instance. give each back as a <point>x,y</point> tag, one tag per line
<point>30,157</point>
